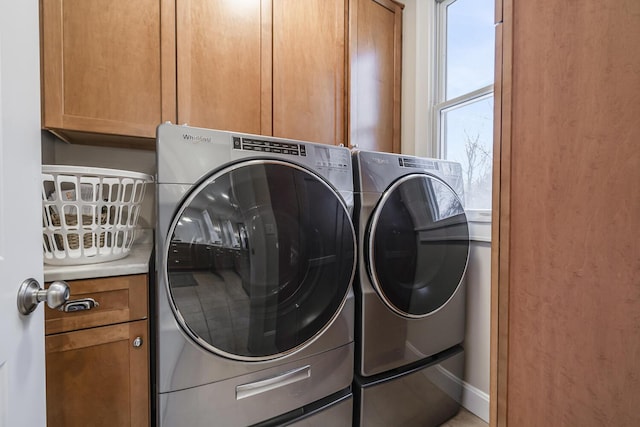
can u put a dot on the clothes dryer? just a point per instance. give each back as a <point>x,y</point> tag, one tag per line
<point>255,256</point>
<point>413,251</point>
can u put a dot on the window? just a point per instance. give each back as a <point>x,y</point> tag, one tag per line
<point>464,93</point>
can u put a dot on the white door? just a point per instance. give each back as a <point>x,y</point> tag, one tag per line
<point>22,372</point>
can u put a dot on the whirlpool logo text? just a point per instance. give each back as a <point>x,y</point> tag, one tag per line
<point>196,139</point>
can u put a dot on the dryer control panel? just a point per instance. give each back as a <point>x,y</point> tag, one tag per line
<point>414,162</point>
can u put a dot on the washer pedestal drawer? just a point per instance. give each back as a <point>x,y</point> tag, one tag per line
<point>423,396</point>
<point>261,395</point>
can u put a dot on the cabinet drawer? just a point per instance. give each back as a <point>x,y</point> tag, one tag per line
<point>121,299</point>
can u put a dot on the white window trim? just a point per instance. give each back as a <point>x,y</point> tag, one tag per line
<point>479,224</point>
<point>439,77</point>
<point>420,93</point>
<point>418,77</point>
<point>479,219</point>
<point>452,105</point>
<point>440,35</point>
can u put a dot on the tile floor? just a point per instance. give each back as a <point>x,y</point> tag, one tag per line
<point>465,419</point>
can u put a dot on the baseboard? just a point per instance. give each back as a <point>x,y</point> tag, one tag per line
<point>475,401</point>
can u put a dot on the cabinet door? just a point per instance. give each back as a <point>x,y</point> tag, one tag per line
<point>376,62</point>
<point>309,70</point>
<point>224,64</point>
<point>101,67</point>
<point>98,377</point>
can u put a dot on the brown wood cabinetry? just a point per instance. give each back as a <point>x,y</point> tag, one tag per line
<point>102,70</point>
<point>97,361</point>
<point>376,68</point>
<point>565,287</point>
<point>113,71</point>
<point>270,67</point>
<point>224,64</point>
<point>309,70</point>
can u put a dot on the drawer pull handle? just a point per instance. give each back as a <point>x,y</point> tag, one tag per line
<point>258,387</point>
<point>137,342</point>
<point>79,305</point>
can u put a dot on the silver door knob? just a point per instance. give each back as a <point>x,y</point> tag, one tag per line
<point>31,294</point>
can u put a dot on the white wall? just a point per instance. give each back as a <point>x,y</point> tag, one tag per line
<point>417,96</point>
<point>408,105</point>
<point>48,148</point>
<point>417,86</point>
<point>478,326</point>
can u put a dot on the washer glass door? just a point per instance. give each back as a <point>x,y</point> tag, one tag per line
<point>260,259</point>
<point>418,245</point>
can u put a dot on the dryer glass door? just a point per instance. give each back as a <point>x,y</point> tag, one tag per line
<point>260,260</point>
<point>418,245</point>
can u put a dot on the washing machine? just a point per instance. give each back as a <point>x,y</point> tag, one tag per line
<point>255,257</point>
<point>410,294</point>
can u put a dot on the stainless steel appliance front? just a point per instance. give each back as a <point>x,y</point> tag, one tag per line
<point>414,246</point>
<point>255,255</point>
<point>425,396</point>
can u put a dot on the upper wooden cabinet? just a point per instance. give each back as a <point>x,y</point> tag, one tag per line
<point>113,71</point>
<point>271,67</point>
<point>102,69</point>
<point>309,70</point>
<point>224,64</point>
<point>376,67</point>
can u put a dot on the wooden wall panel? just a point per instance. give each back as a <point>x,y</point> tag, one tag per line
<point>574,262</point>
<point>500,225</point>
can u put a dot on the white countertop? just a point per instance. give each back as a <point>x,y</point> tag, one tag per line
<point>137,262</point>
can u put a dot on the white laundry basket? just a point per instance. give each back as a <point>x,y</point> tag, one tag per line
<point>89,215</point>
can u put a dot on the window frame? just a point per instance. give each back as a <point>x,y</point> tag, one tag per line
<point>441,105</point>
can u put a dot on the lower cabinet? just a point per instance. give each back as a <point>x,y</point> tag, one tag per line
<point>97,360</point>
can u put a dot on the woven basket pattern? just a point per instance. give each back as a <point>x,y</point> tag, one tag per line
<point>73,239</point>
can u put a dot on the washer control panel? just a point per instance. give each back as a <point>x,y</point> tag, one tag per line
<point>265,146</point>
<point>331,158</point>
